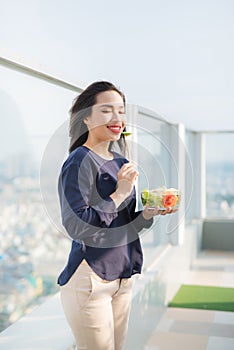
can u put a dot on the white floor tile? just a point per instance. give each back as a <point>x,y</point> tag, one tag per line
<point>224,317</point>
<point>215,343</point>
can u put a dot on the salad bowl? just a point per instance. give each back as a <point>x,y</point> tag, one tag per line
<point>162,197</point>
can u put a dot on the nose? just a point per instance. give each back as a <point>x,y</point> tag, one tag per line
<point>117,115</point>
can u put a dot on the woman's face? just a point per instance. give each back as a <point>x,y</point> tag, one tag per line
<point>108,119</point>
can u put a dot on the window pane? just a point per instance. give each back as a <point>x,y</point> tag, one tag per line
<point>220,175</point>
<point>150,151</point>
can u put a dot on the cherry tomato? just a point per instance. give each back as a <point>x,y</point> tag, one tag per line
<point>169,200</point>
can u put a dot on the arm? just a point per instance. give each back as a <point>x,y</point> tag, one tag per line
<point>144,218</point>
<point>126,178</point>
<point>140,222</point>
<point>81,219</point>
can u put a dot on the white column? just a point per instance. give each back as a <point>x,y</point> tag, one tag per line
<point>132,122</point>
<point>200,176</point>
<point>177,149</point>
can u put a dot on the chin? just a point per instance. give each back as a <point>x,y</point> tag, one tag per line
<point>115,138</point>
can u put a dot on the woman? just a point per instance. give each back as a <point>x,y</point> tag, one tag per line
<point>97,197</point>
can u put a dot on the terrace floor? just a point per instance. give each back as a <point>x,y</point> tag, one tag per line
<point>198,329</point>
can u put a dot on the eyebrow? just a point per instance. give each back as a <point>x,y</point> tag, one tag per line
<point>110,106</point>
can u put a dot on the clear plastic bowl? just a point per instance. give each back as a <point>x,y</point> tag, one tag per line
<point>162,197</point>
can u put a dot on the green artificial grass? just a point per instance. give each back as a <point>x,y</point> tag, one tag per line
<point>204,297</point>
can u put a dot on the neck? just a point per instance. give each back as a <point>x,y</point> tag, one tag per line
<point>102,148</point>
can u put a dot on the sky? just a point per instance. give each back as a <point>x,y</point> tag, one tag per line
<point>172,56</point>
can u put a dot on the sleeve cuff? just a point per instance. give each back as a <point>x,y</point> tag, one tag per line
<point>140,222</point>
<point>107,211</point>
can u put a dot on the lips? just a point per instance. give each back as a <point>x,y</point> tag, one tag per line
<point>116,129</point>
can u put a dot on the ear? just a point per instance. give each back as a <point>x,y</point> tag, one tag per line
<point>86,121</point>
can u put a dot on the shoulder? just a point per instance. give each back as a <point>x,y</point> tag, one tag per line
<point>79,154</point>
<point>76,157</point>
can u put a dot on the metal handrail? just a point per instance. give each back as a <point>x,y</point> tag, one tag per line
<point>38,74</point>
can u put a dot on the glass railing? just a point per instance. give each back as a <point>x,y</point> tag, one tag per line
<point>33,250</point>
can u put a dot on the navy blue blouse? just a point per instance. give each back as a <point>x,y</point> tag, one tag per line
<point>106,237</point>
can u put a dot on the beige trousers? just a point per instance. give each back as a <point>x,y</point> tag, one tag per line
<point>97,310</point>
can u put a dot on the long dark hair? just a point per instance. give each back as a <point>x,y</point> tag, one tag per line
<point>82,108</point>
